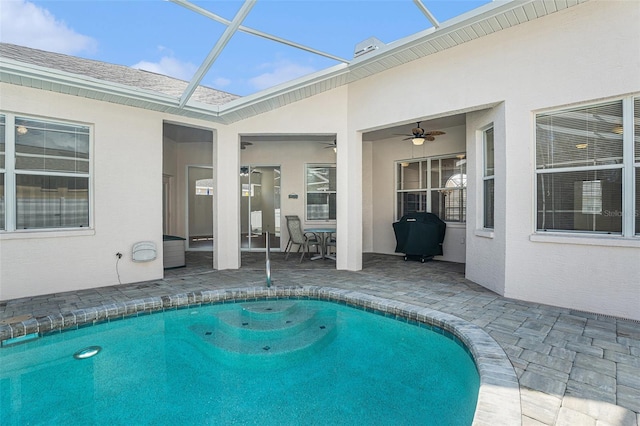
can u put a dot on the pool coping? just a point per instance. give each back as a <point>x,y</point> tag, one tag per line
<point>499,393</point>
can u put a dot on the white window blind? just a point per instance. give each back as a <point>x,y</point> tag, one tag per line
<point>583,180</point>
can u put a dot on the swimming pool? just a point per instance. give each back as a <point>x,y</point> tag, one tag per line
<point>495,380</point>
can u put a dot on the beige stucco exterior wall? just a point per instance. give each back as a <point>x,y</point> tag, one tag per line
<point>291,157</point>
<point>486,247</point>
<point>321,114</point>
<point>583,54</point>
<point>595,54</point>
<point>127,170</point>
<point>385,153</point>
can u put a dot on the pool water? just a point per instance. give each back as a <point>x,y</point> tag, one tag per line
<point>285,362</point>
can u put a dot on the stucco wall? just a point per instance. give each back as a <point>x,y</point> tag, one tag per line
<point>584,54</point>
<point>322,114</point>
<point>382,171</point>
<point>127,199</point>
<point>291,156</point>
<point>486,248</point>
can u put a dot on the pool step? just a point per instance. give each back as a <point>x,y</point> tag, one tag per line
<point>267,334</point>
<point>265,321</point>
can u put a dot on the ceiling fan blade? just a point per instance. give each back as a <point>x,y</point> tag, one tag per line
<point>429,138</point>
<point>435,133</point>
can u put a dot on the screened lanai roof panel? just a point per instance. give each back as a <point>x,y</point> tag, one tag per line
<point>112,72</point>
<point>84,77</point>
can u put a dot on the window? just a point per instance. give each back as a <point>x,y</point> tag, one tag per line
<point>436,185</point>
<point>2,171</point>
<point>46,182</point>
<point>321,191</point>
<point>488,179</point>
<point>636,133</point>
<point>583,167</point>
<point>204,187</point>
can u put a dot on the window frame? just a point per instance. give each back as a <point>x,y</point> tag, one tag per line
<point>426,187</point>
<point>11,174</point>
<point>3,195</point>
<point>629,170</point>
<point>329,192</point>
<point>488,178</point>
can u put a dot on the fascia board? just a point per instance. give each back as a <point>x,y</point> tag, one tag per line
<point>12,68</point>
<point>283,88</point>
<point>64,78</point>
<point>452,25</point>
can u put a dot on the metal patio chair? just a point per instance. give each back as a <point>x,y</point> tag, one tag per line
<point>304,240</point>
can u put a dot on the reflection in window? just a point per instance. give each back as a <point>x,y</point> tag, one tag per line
<point>320,197</point>
<point>437,185</point>
<point>488,179</point>
<point>2,170</point>
<point>581,176</point>
<point>204,187</point>
<point>49,173</point>
<point>51,202</point>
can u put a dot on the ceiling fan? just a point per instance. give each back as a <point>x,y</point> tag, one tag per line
<point>333,145</point>
<point>244,145</point>
<point>418,135</point>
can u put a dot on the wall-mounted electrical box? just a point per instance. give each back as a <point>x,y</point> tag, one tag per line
<point>144,251</point>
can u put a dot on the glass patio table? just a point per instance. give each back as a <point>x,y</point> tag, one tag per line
<point>324,238</point>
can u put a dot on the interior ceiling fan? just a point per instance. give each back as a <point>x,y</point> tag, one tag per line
<point>333,145</point>
<point>244,145</point>
<point>418,135</point>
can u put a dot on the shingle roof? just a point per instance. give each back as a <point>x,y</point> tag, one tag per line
<point>113,73</point>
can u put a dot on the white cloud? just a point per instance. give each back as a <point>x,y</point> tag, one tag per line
<point>25,24</point>
<point>280,71</point>
<point>170,66</point>
<point>221,82</point>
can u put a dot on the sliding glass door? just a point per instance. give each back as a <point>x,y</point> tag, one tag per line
<point>259,207</point>
<point>200,208</point>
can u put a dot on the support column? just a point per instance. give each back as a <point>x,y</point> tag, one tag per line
<point>226,200</point>
<point>349,201</point>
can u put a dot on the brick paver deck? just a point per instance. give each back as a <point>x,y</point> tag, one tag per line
<point>573,368</point>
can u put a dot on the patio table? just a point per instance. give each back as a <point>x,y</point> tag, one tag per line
<point>324,237</point>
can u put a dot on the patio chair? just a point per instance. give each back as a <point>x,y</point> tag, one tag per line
<point>331,244</point>
<point>304,240</point>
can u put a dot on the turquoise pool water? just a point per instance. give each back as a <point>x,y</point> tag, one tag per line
<point>288,362</point>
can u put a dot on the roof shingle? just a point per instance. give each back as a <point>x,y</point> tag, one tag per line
<point>114,73</point>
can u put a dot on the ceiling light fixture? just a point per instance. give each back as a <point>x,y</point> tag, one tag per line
<point>582,145</point>
<point>617,129</point>
<point>404,164</point>
<point>21,130</point>
<point>417,141</point>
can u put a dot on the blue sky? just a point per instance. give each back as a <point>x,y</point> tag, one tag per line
<point>167,38</point>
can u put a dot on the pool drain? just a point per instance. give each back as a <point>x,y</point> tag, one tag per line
<point>87,352</point>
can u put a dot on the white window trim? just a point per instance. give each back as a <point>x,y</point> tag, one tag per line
<point>627,238</point>
<point>306,192</point>
<point>486,231</point>
<point>11,232</point>
<point>425,186</point>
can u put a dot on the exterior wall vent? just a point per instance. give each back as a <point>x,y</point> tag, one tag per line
<point>367,46</point>
<point>144,251</point>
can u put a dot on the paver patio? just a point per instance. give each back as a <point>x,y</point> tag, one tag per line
<point>574,368</point>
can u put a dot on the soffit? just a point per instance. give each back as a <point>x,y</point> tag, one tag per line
<point>478,23</point>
